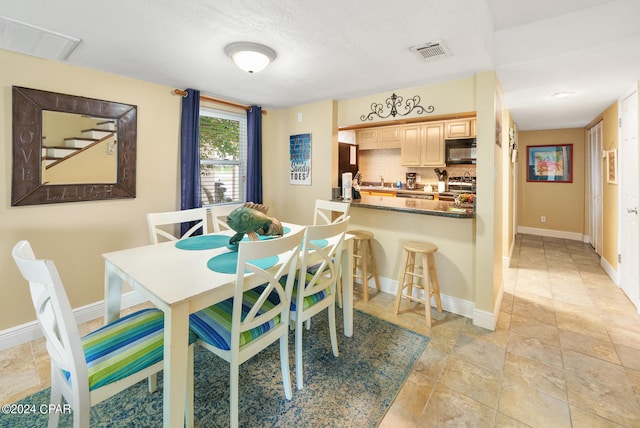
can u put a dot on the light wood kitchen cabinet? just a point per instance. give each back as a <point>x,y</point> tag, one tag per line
<point>463,128</point>
<point>384,137</point>
<point>423,145</point>
<point>378,193</point>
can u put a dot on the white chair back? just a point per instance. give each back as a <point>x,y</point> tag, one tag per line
<point>219,215</point>
<point>288,250</point>
<point>156,221</point>
<point>325,210</point>
<point>254,286</point>
<point>320,269</point>
<point>57,324</point>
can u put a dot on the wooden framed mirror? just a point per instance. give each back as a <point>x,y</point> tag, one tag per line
<point>89,154</point>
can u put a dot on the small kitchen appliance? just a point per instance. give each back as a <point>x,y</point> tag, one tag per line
<point>464,184</point>
<point>347,177</point>
<point>460,152</point>
<point>411,180</point>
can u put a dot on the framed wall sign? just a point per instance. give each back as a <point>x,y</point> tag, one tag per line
<point>300,159</point>
<point>612,166</point>
<point>550,164</point>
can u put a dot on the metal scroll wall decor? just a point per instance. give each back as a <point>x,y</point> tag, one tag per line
<point>393,103</point>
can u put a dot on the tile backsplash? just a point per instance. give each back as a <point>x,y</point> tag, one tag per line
<point>386,163</point>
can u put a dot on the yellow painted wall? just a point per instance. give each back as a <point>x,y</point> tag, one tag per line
<point>488,267</point>
<point>76,234</point>
<point>562,204</point>
<point>290,202</point>
<point>609,190</point>
<point>456,96</point>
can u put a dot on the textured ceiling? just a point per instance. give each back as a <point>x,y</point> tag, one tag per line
<point>334,49</point>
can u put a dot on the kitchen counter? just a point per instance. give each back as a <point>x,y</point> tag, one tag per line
<point>400,192</point>
<point>415,206</point>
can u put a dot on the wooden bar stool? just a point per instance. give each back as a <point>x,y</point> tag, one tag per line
<point>364,260</point>
<point>427,271</point>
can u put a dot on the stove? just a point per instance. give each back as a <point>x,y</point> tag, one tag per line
<point>465,184</point>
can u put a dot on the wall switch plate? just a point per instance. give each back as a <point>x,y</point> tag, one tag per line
<point>543,219</point>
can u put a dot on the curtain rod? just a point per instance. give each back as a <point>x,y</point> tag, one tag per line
<point>215,100</point>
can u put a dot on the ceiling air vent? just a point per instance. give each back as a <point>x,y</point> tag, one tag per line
<point>31,40</point>
<point>432,50</point>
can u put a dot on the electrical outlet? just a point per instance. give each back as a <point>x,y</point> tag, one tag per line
<point>543,219</point>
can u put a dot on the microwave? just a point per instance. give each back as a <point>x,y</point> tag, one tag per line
<point>460,151</point>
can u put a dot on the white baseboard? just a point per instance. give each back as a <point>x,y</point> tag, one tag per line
<point>455,305</point>
<point>551,233</point>
<point>486,319</point>
<point>27,332</point>
<point>613,274</point>
<point>451,304</point>
<point>506,260</point>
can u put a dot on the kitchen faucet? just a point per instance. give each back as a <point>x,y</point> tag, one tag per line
<point>381,181</point>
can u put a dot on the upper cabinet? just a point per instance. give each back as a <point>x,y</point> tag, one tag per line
<point>460,128</point>
<point>423,145</point>
<point>384,137</point>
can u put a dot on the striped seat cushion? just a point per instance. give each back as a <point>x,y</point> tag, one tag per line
<point>308,301</point>
<point>212,325</point>
<point>124,347</point>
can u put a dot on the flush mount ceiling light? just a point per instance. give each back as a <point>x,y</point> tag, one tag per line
<point>563,94</point>
<point>250,57</point>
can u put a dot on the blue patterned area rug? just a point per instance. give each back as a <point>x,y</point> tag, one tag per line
<point>355,389</point>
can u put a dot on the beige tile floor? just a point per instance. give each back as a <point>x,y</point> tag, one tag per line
<point>565,352</point>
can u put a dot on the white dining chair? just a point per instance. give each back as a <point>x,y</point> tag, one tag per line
<point>325,211</point>
<point>219,215</point>
<point>158,224</point>
<point>88,370</point>
<point>258,313</point>
<point>315,286</point>
<point>324,214</point>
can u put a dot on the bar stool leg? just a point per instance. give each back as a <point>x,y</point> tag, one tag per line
<point>426,288</point>
<point>374,268</point>
<point>403,274</point>
<point>433,275</point>
<point>410,269</point>
<point>364,261</point>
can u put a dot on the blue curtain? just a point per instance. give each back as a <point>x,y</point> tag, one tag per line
<point>254,154</point>
<point>190,153</point>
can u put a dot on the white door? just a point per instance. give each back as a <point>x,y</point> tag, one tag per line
<point>595,187</point>
<point>628,167</point>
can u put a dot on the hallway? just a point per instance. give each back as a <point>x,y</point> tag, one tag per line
<point>565,353</point>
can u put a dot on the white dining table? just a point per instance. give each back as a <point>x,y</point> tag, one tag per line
<point>178,282</point>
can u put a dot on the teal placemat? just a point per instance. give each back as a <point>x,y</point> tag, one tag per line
<point>209,242</point>
<point>321,243</point>
<point>204,242</point>
<point>228,262</point>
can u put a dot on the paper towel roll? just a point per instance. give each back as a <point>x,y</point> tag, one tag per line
<point>346,185</point>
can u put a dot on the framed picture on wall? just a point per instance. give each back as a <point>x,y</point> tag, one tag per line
<point>550,164</point>
<point>612,166</point>
<point>300,159</point>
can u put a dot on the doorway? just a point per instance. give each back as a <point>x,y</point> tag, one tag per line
<point>629,233</point>
<point>347,160</point>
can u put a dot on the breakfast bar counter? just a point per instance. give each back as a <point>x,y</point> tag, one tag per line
<point>415,206</point>
<point>395,220</point>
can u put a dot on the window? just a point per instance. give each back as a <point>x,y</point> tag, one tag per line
<point>223,156</point>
